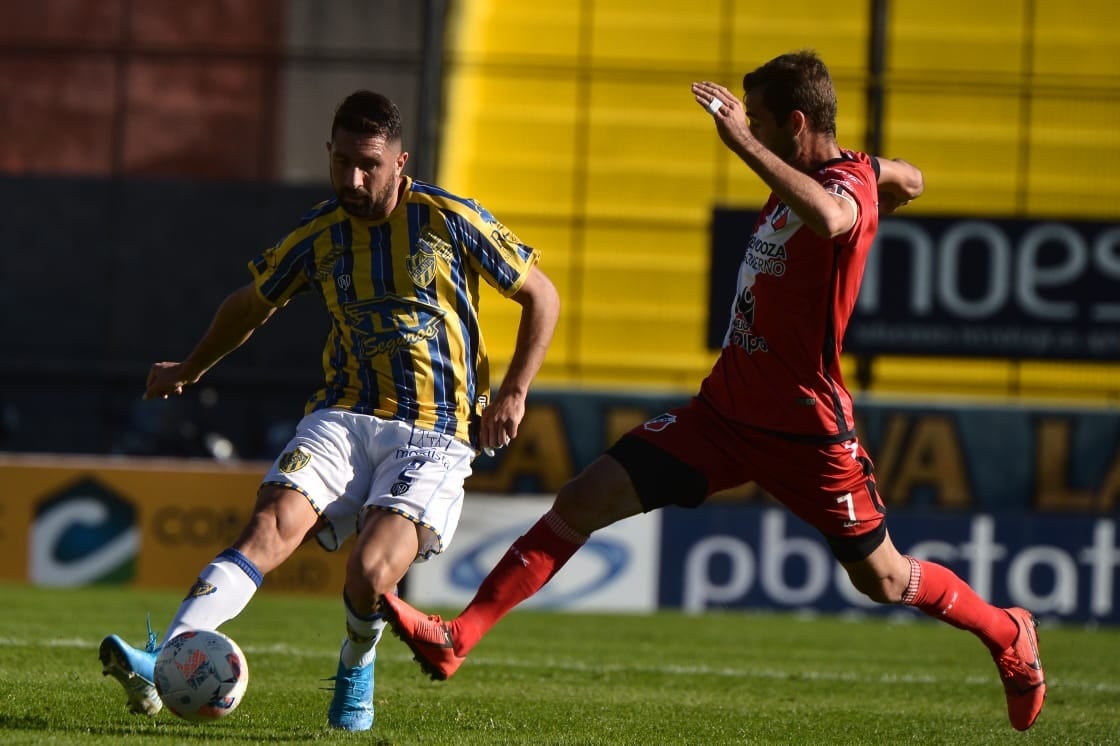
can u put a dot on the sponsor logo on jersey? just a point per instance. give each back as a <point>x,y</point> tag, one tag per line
<point>660,422</point>
<point>390,323</point>
<point>344,282</point>
<point>765,257</point>
<point>505,240</point>
<point>428,454</point>
<point>741,323</point>
<point>325,266</point>
<point>294,460</point>
<point>420,438</point>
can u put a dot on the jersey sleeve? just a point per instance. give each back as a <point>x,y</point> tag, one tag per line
<point>494,251</point>
<point>282,272</point>
<point>853,180</point>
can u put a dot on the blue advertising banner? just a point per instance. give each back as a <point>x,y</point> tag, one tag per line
<point>952,456</point>
<point>744,557</point>
<point>965,286</point>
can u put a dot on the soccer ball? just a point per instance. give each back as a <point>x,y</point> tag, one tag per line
<point>201,675</point>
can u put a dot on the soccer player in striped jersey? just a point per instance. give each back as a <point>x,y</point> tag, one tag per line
<point>774,409</point>
<point>385,445</point>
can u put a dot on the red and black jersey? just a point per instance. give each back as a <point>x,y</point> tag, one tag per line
<point>780,365</point>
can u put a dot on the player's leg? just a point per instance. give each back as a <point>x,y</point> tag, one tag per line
<point>411,513</point>
<point>599,496</point>
<point>313,477</point>
<point>659,463</point>
<point>385,548</point>
<point>888,576</point>
<point>844,505</point>
<point>306,480</point>
<point>281,520</point>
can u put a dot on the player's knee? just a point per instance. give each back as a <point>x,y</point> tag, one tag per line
<point>602,494</point>
<point>282,517</point>
<point>586,507</point>
<point>264,540</point>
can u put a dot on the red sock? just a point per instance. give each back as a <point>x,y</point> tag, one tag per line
<point>529,563</point>
<point>936,591</point>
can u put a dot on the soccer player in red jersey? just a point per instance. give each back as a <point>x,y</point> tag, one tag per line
<point>774,409</point>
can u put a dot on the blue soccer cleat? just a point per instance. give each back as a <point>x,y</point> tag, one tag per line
<point>133,668</point>
<point>352,705</point>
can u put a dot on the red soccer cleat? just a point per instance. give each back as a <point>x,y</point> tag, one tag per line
<point>428,636</point>
<point>1021,670</point>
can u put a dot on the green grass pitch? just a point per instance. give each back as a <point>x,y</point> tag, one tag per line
<point>550,678</point>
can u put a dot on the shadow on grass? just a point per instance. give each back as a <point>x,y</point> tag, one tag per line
<point>184,732</point>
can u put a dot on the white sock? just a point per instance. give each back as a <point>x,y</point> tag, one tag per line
<point>222,591</point>
<point>362,635</point>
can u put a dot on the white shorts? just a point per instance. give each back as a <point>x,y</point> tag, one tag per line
<point>347,464</point>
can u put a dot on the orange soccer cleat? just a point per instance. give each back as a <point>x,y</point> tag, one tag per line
<point>427,635</point>
<point>1021,671</point>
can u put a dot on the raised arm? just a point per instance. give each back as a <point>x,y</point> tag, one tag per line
<point>239,315</point>
<point>900,182</point>
<point>540,310</point>
<point>823,212</point>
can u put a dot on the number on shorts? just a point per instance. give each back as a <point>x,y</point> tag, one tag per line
<point>851,506</point>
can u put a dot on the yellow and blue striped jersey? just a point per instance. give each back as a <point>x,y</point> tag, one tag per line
<point>402,294</point>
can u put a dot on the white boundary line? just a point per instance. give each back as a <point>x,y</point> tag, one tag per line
<point>1110,687</point>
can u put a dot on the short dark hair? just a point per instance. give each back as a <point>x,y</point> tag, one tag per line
<point>368,113</point>
<point>797,81</point>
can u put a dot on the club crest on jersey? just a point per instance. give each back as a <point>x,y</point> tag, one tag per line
<point>201,588</point>
<point>780,217</point>
<point>428,250</point>
<point>659,423</point>
<point>294,460</point>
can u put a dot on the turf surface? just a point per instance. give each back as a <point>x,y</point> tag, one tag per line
<point>549,678</point>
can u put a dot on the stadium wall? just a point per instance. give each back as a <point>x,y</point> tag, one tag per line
<point>574,123</point>
<point>1023,500</point>
<point>570,120</point>
<point>72,522</point>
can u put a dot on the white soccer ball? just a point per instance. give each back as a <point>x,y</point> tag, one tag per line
<point>201,675</point>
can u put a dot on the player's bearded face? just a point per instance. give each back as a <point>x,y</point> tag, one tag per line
<point>365,173</point>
